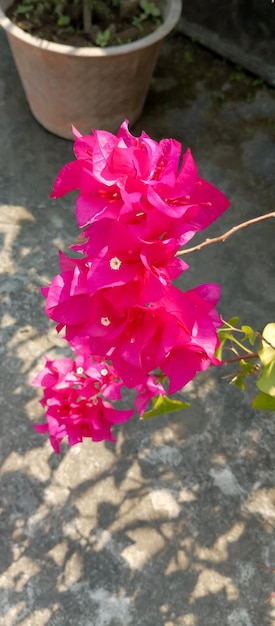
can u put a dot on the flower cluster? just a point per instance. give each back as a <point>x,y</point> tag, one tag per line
<point>139,202</point>
<point>77,398</point>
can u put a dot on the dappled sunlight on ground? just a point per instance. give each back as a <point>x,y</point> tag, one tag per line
<point>173,524</point>
<point>171,508</point>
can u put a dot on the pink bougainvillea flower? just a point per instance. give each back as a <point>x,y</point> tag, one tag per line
<point>126,258</point>
<point>114,173</point>
<point>196,316</point>
<point>90,374</point>
<point>179,324</point>
<point>75,401</point>
<point>191,200</point>
<point>54,373</point>
<point>147,269</point>
<point>67,298</point>
<point>69,415</point>
<point>139,201</point>
<point>140,339</point>
<point>147,391</point>
<point>96,200</point>
<point>94,239</point>
<point>137,337</point>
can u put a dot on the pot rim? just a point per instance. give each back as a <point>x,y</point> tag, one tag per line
<point>172,15</point>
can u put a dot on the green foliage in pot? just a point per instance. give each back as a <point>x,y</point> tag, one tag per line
<point>87,22</point>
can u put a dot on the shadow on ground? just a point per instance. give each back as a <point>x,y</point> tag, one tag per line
<point>174,524</point>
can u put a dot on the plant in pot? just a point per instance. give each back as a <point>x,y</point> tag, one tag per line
<point>83,63</point>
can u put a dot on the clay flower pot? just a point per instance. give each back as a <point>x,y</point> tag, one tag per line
<point>88,87</point>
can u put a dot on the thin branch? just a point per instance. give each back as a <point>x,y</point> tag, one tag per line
<point>239,330</point>
<point>230,327</point>
<point>243,357</point>
<point>225,236</point>
<point>87,10</point>
<point>265,340</point>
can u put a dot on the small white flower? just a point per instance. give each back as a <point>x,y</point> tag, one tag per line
<point>104,372</point>
<point>105,321</point>
<point>115,263</point>
<point>79,370</point>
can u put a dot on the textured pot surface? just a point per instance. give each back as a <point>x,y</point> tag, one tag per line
<point>87,87</point>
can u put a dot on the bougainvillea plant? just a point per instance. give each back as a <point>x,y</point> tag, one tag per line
<point>139,203</point>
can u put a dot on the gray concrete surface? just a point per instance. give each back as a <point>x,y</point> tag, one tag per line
<point>241,30</point>
<point>174,524</point>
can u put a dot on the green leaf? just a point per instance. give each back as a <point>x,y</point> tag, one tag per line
<point>218,353</point>
<point>234,321</point>
<point>238,76</point>
<point>63,20</point>
<point>102,38</point>
<point>249,334</point>
<point>188,56</point>
<point>257,82</point>
<point>25,9</point>
<point>238,381</point>
<point>225,332</point>
<point>264,402</point>
<point>266,382</point>
<point>246,369</point>
<point>149,8</point>
<point>267,352</point>
<point>163,405</point>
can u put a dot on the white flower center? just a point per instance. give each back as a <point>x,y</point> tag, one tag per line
<point>105,321</point>
<point>79,370</point>
<point>115,263</point>
<point>104,372</point>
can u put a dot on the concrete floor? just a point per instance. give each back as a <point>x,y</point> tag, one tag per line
<point>174,524</point>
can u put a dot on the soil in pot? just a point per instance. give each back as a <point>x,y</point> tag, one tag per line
<point>114,22</point>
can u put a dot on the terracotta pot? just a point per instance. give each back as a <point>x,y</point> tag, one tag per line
<point>87,87</point>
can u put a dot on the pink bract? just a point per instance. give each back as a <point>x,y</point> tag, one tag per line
<point>141,338</point>
<point>139,202</point>
<point>114,173</point>
<point>75,402</point>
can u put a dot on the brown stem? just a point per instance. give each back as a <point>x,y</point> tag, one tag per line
<point>225,236</point>
<point>244,357</point>
<point>265,340</point>
<point>87,16</point>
